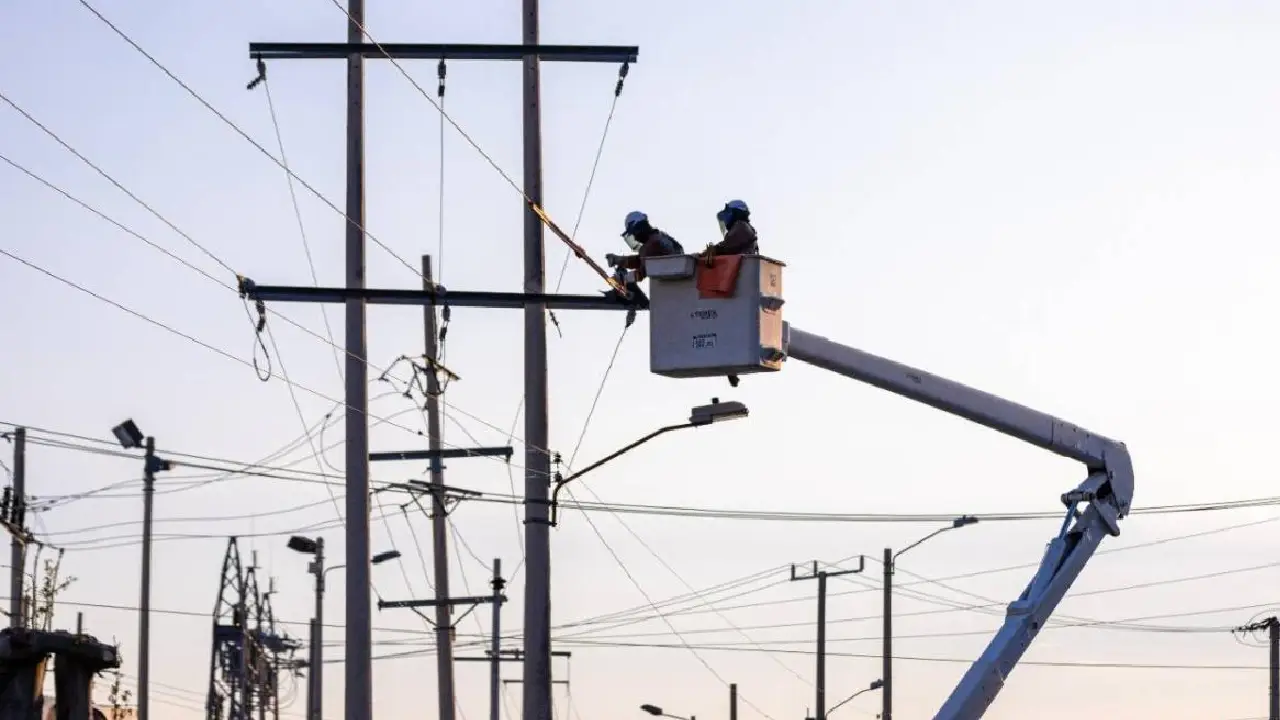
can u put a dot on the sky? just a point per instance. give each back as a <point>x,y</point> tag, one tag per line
<point>1068,206</point>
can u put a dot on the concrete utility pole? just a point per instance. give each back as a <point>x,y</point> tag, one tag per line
<point>495,649</point>
<point>886,659</point>
<point>820,701</point>
<point>1273,634</point>
<point>359,622</point>
<point>733,701</point>
<point>18,552</point>
<point>151,465</point>
<point>1272,626</point>
<point>533,300</point>
<point>439,521</point>
<point>315,671</point>
<point>537,482</point>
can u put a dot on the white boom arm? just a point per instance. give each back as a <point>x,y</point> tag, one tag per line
<point>1107,491</point>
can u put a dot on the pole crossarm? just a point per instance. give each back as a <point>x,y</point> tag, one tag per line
<point>443,51</point>
<point>438,296</point>
<point>816,573</point>
<point>504,452</point>
<point>467,600</point>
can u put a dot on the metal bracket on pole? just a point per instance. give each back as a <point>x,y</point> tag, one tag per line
<point>446,51</point>
<point>438,296</point>
<point>820,705</point>
<point>504,452</point>
<point>469,600</point>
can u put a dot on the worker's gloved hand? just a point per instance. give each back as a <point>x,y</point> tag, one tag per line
<point>709,255</point>
<point>612,259</point>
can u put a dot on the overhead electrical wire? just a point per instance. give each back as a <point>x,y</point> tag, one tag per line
<point>648,599</point>
<point>180,260</point>
<point>297,213</point>
<point>439,106</point>
<point>591,179</point>
<point>240,131</point>
<point>186,336</point>
<point>275,472</point>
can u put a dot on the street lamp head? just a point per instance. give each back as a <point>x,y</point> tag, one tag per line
<point>652,710</point>
<point>717,411</point>
<point>384,556</point>
<point>128,435</point>
<point>876,684</point>
<point>304,545</point>
<point>963,520</point>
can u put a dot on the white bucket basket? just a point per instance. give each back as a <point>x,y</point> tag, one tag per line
<point>691,336</point>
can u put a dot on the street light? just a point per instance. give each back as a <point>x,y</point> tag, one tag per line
<point>130,437</point>
<point>699,416</point>
<point>875,685</point>
<point>315,548</point>
<point>890,558</point>
<point>657,712</point>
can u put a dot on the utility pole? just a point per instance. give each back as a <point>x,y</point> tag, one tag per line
<point>733,701</point>
<point>359,621</point>
<point>152,464</point>
<point>315,672</point>
<point>18,556</point>
<point>886,656</point>
<point>1273,633</point>
<point>495,649</point>
<point>537,482</point>
<point>820,702</point>
<point>439,520</point>
<point>355,295</point>
<point>497,598</point>
<point>1272,626</point>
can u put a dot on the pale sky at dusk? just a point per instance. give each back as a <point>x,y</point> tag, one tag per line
<point>1072,206</point>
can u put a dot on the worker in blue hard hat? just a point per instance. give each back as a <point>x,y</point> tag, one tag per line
<point>739,237</point>
<point>645,240</point>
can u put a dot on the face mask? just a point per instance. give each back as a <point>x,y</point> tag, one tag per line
<point>632,242</point>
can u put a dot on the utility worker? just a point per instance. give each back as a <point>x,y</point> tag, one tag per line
<point>645,241</point>
<point>735,227</point>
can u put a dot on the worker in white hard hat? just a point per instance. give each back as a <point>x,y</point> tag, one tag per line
<point>645,240</point>
<point>738,235</point>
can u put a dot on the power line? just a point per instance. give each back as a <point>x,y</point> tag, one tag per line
<point>270,471</point>
<point>621,565</point>
<point>912,658</point>
<point>439,106</point>
<point>591,179</point>
<point>190,338</point>
<point>199,98</point>
<point>187,264</point>
<point>297,214</point>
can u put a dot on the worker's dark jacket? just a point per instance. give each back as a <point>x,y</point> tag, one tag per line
<point>659,243</point>
<point>740,240</point>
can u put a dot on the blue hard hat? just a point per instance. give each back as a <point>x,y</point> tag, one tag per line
<point>633,218</point>
<point>730,207</point>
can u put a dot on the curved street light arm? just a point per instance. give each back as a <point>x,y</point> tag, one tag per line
<point>560,482</point>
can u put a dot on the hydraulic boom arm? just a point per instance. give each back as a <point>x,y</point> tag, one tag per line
<point>1106,493</point>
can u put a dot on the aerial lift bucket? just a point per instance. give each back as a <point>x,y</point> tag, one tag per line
<point>715,319</point>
